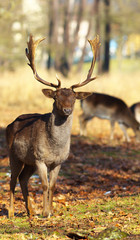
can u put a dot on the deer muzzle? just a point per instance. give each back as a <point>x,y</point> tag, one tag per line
<point>67,111</point>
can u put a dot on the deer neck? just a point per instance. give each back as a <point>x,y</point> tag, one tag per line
<point>59,128</point>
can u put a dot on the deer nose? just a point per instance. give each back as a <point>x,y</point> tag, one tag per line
<point>67,111</point>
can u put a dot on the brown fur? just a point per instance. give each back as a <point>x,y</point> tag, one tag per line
<point>135,109</point>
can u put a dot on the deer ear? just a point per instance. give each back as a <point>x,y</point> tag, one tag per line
<point>49,93</point>
<point>82,95</point>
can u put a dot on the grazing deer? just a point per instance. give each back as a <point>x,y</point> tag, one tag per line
<point>135,109</point>
<point>42,141</point>
<point>108,107</point>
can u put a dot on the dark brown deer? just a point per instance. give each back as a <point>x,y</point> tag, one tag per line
<point>42,141</point>
<point>135,109</point>
<point>108,107</point>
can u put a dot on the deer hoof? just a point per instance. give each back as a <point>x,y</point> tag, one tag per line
<point>47,214</point>
<point>31,212</point>
<point>30,209</point>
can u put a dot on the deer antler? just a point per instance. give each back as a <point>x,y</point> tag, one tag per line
<point>95,44</point>
<point>30,53</point>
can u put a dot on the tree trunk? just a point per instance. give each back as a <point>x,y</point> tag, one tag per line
<point>70,44</point>
<point>81,61</point>
<point>52,35</point>
<point>80,14</point>
<point>80,64</point>
<point>97,30</point>
<point>64,63</point>
<point>107,37</point>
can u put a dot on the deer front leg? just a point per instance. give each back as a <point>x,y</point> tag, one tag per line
<point>83,124</point>
<point>124,129</point>
<point>53,177</point>
<point>11,207</point>
<point>112,125</point>
<point>42,171</point>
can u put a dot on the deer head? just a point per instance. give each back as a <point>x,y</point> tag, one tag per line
<point>64,98</point>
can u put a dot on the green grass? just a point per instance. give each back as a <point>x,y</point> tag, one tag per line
<point>81,217</point>
<point>127,65</point>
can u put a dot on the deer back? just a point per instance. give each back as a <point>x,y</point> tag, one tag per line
<point>108,107</point>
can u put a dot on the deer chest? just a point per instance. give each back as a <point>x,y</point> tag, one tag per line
<point>52,153</point>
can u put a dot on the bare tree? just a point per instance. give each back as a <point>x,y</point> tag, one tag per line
<point>90,21</point>
<point>98,30</point>
<point>80,17</point>
<point>52,31</point>
<point>69,12</point>
<point>64,60</point>
<point>105,67</point>
<point>81,61</point>
<point>71,39</point>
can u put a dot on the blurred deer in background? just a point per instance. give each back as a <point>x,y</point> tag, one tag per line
<point>135,109</point>
<point>108,107</point>
<point>42,141</point>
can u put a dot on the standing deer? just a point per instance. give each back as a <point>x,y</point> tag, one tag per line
<point>108,107</point>
<point>135,109</point>
<point>42,141</point>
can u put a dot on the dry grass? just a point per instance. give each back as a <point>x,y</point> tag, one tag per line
<point>20,93</point>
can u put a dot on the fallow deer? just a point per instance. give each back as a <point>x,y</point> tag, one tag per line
<point>108,107</point>
<point>42,141</point>
<point>135,109</point>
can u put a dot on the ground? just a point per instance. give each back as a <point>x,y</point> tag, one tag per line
<point>98,187</point>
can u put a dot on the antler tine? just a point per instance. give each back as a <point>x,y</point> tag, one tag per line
<point>59,82</point>
<point>95,44</point>
<point>30,53</point>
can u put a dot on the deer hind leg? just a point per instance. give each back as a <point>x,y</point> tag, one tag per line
<point>83,124</point>
<point>53,177</point>
<point>16,167</point>
<point>112,124</point>
<point>24,176</point>
<point>124,129</point>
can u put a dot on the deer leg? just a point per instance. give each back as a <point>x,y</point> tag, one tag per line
<point>112,124</point>
<point>53,177</point>
<point>83,124</point>
<point>42,171</point>
<point>24,176</point>
<point>16,167</point>
<point>124,128</point>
